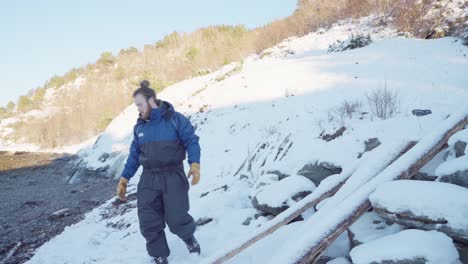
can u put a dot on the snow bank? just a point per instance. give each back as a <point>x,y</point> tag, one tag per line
<point>435,247</point>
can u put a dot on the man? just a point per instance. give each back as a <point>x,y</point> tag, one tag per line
<point>161,138</point>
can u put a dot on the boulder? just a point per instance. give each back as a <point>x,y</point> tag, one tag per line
<point>279,196</point>
<point>459,147</point>
<point>422,176</point>
<point>281,175</point>
<point>425,205</point>
<point>59,214</point>
<point>409,246</point>
<point>459,178</point>
<point>316,172</point>
<point>462,251</point>
<point>371,226</point>
<point>421,112</point>
<point>369,145</point>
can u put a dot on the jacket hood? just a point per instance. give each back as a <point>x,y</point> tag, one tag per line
<point>165,109</point>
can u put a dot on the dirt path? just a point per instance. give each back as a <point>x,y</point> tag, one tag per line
<point>32,187</point>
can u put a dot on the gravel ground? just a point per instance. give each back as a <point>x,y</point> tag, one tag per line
<point>32,187</point>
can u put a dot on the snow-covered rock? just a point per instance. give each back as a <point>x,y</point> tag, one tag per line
<point>371,226</point>
<point>422,204</point>
<point>459,177</point>
<point>408,246</point>
<point>316,172</point>
<point>279,196</point>
<point>455,168</point>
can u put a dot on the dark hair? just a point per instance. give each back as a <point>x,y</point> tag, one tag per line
<point>145,90</point>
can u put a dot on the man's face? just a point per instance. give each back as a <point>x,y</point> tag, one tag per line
<point>143,106</point>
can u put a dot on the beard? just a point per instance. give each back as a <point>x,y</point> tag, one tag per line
<point>145,115</point>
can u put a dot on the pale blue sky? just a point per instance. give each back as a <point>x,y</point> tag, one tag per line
<point>41,38</point>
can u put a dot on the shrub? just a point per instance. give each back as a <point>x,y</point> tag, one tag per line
<point>106,59</point>
<point>348,108</point>
<point>10,106</point>
<point>24,103</point>
<point>383,103</point>
<point>354,42</point>
<point>56,81</point>
<point>192,52</point>
<point>119,73</point>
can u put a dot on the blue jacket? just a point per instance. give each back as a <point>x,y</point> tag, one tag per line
<point>162,141</point>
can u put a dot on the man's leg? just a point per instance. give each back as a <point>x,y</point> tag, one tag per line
<point>176,204</point>
<point>151,216</point>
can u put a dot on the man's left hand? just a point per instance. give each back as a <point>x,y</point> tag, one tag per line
<point>195,171</point>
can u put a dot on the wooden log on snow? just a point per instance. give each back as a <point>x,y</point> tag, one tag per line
<point>291,213</point>
<point>403,168</point>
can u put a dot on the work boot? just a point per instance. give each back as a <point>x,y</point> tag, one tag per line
<point>160,260</point>
<point>192,245</point>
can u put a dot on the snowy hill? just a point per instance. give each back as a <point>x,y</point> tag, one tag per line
<point>267,118</point>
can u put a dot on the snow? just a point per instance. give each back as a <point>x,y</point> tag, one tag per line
<point>371,226</point>
<point>339,260</point>
<point>426,198</point>
<point>279,192</point>
<point>324,221</point>
<point>249,121</point>
<point>435,247</point>
<point>452,165</point>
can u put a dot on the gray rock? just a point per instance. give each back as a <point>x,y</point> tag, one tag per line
<point>83,174</point>
<point>104,157</point>
<point>283,195</point>
<point>224,188</point>
<point>417,260</point>
<point>421,176</point>
<point>268,208</point>
<point>462,251</point>
<point>257,215</point>
<point>421,112</point>
<point>203,221</point>
<point>330,137</point>
<point>459,178</point>
<point>247,221</point>
<point>59,214</point>
<point>278,173</point>
<point>316,172</point>
<point>370,144</point>
<point>459,148</point>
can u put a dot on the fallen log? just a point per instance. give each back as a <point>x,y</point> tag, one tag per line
<point>325,226</point>
<point>327,188</point>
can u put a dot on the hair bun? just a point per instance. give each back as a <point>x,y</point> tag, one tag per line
<point>144,84</point>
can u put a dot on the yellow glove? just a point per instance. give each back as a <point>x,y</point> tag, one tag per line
<point>122,188</point>
<point>195,171</point>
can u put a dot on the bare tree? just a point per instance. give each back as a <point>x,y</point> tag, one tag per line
<point>383,102</point>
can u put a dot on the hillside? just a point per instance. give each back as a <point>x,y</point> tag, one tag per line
<point>284,122</point>
<point>72,108</point>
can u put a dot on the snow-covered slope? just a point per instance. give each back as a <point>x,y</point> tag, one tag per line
<point>267,114</point>
<point>47,108</point>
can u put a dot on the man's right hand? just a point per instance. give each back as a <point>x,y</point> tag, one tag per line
<point>122,188</point>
